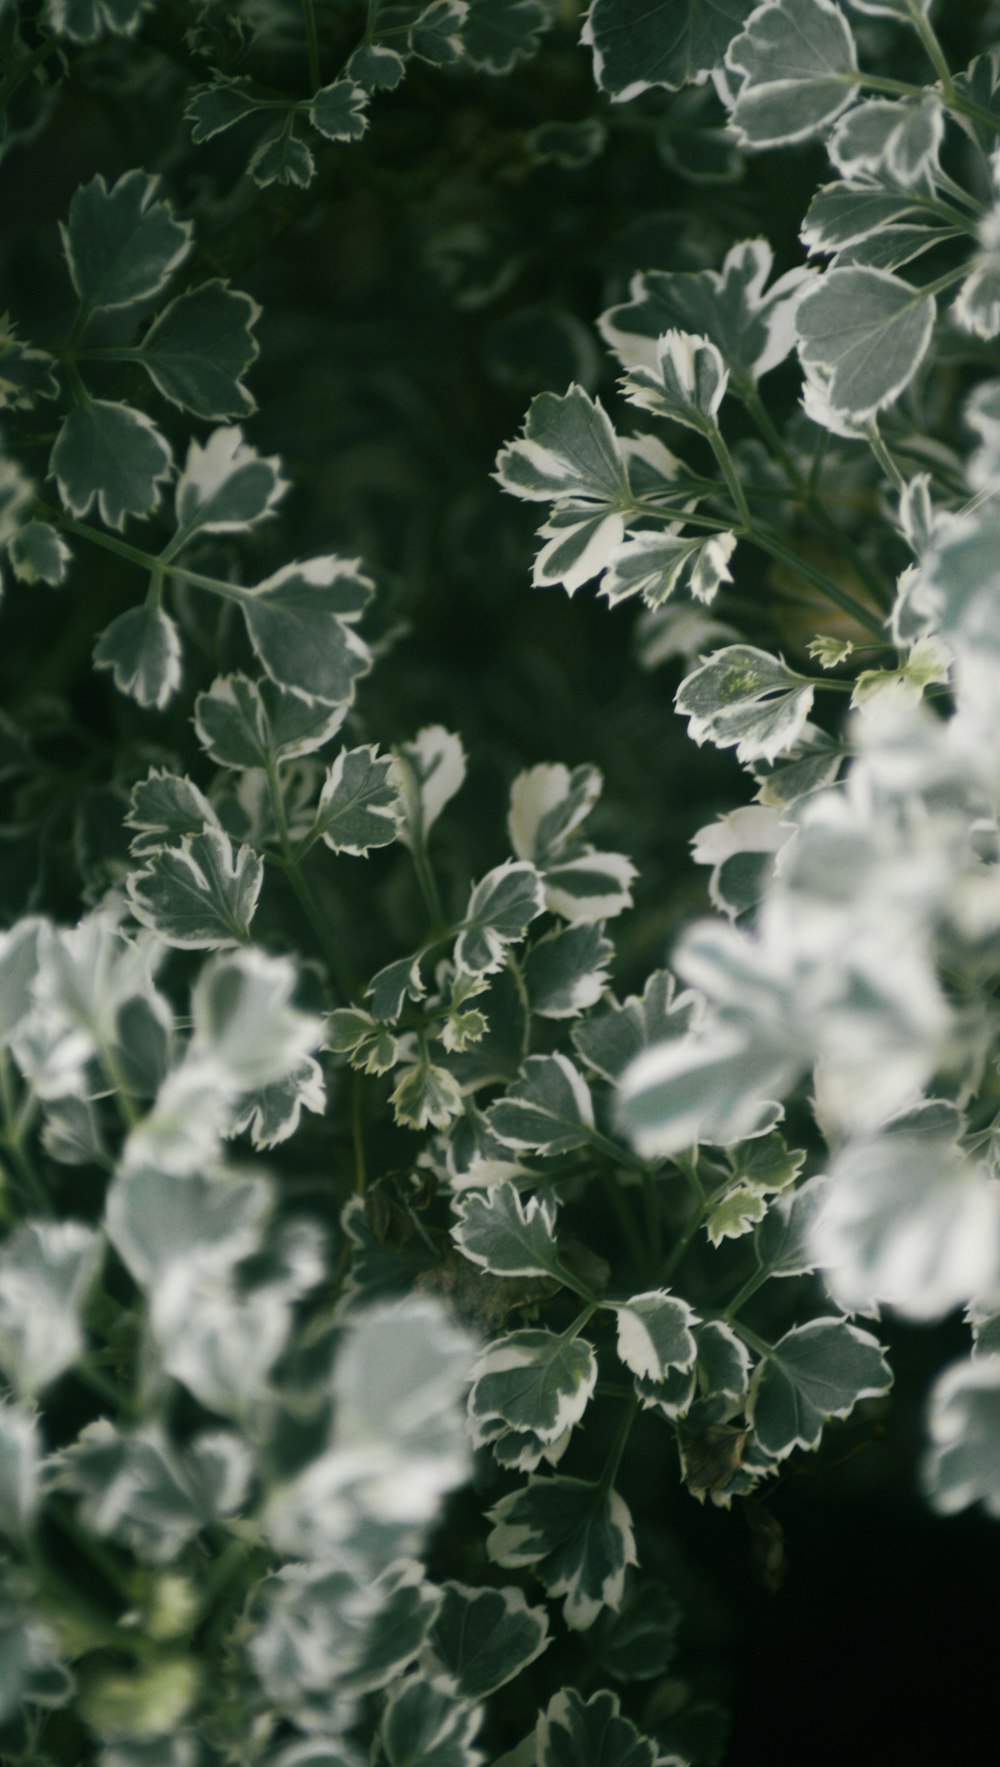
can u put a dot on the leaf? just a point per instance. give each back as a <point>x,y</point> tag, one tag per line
<point>26,374</point>
<point>358,805</point>
<point>135,1488</point>
<point>340,111</point>
<point>536,1381</point>
<point>46,1271</point>
<point>243,1017</point>
<point>642,1641</point>
<point>976,308</point>
<point>867,332</point>
<point>638,45</point>
<point>501,1233</point>
<point>568,449</point>
<point>901,140</point>
<point>163,808</point>
<point>213,109</point>
<point>39,554</point>
<point>375,66</point>
<point>799,71</point>
<point>686,384</point>
<point>785,1238</point>
<point>429,771</point>
<point>745,699</point>
<point>199,348</point>
<point>654,1334</point>
<point>815,1372</point>
<point>16,492</point>
<point>271,1113</point>
<point>610,1040</point>
<point>390,989</point>
<point>571,145</point>
<point>717,1087</point>
<point>481,1639</point>
<point>436,36</point>
<point>547,805</point>
<point>497,34</point>
<point>121,246</point>
<point>113,454</point>
<point>162,1224</point>
<point>369,1046</point>
<point>845,214</point>
<point>405,1607</point>
<point>501,907</point>
<point>565,971</point>
<point>20,1470</point>
<point>590,887</point>
<point>142,648</point>
<point>226,487</point>
<point>20,951</point>
<point>86,20</point>
<point>426,1094</point>
<point>423,1727</point>
<point>281,157</point>
<point>300,623</point>
<point>198,895</point>
<point>548,1112</point>
<point>245,724</point>
<point>576,1538</point>
<point>573,1732</point>
<point>654,565</point>
<point>962,1464</point>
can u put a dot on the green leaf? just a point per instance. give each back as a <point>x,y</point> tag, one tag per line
<point>976,308</point>
<point>429,771</point>
<point>121,246</point>
<point>198,895</point>
<point>743,698</point>
<point>423,1727</point>
<point>654,1334</point>
<point>481,1639</point>
<point>39,554</point>
<point>436,36</point>
<point>613,1038</point>
<point>654,565</point>
<point>568,449</point>
<point>501,1233</point>
<point>638,45</point>
<point>143,649</point>
<point>962,1464</point>
<point>866,333</point>
<point>642,1641</point>
<point>547,805</point>
<point>161,1224</point>
<point>899,139</point>
<point>723,1370</point>
<point>300,623</point>
<point>426,1094</point>
<point>376,67</point>
<point>717,1087</point>
<point>536,1381</point>
<point>163,808</point>
<point>576,1538</point>
<point>369,1046</point>
<point>548,1112</point>
<point>572,1732</point>
<point>784,1242</point>
<point>26,375</point>
<point>501,907</point>
<point>135,1488</point>
<point>565,971</point>
<point>20,1471</point>
<point>358,805</point>
<point>340,111</point>
<point>113,454</point>
<point>199,348</point>
<point>271,1113</point>
<point>396,1630</point>
<point>20,949</point>
<point>226,487</point>
<point>844,214</point>
<point>46,1271</point>
<point>815,1372</point>
<point>281,157</point>
<point>799,71</point>
<point>244,724</point>
<point>86,20</point>
<point>389,990</point>
<point>571,145</point>
<point>212,109</point>
<point>16,492</point>
<point>754,331</point>
<point>242,1017</point>
<point>497,34</point>
<point>686,383</point>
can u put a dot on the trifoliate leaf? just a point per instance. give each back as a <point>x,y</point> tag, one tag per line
<point>135,1488</point>
<point>743,698</point>
<point>121,246</point>
<point>753,330</point>
<point>226,487</point>
<point>654,1334</point>
<point>481,1639</point>
<point>612,1039</point>
<point>426,1094</point>
<point>496,34</point>
<point>143,649</point>
<point>686,384</point>
<point>358,805</point>
<point>86,20</point>
<point>576,1538</point>
<point>815,1372</point>
<point>46,1270</point>
<point>282,157</point>
<point>537,1381</point>
<point>637,45</point>
<point>506,1235</point>
<point>340,111</point>
<point>436,36</point>
<point>39,554</point>
<point>549,1112</point>
<point>300,623</point>
<point>212,109</point>
<point>163,808</point>
<point>26,374</point>
<point>501,907</point>
<point>799,71</point>
<point>390,989</point>
<point>867,332</point>
<point>573,1732</point>
<point>20,1470</point>
<point>199,895</point>
<point>245,724</point>
<point>114,454</point>
<point>271,1113</point>
<point>369,1046</point>
<point>565,972</point>
<point>199,348</point>
<point>242,1017</point>
<point>962,1464</point>
<point>423,1727</point>
<point>654,565</point>
<point>568,449</point>
<point>547,805</point>
<point>900,139</point>
<point>429,771</point>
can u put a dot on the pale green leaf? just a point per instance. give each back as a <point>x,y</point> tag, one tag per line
<point>743,698</point>
<point>225,486</point>
<point>580,541</point>
<point>547,805</point>
<point>576,1537</point>
<point>899,139</point>
<point>653,565</point>
<point>21,949</point>
<point>271,1113</point>
<point>815,1372</point>
<point>111,453</point>
<point>642,43</point>
<point>686,383</point>
<point>504,1234</point>
<point>482,1638</point>
<point>537,1381</point>
<point>199,348</point>
<point>162,1224</point>
<point>589,887</point>
<point>548,1112</point>
<point>799,71</point>
<point>867,333</point>
<point>358,804</point>
<point>135,1488</point>
<point>573,1732</point>
<point>300,623</point>
<point>243,1017</point>
<point>198,895</point>
<point>142,648</point>
<point>121,245</point>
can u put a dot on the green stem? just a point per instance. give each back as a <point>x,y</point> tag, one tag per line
<point>614,1459</point>
<point>742,1295</point>
<point>956,102</point>
<point>576,1325</point>
<point>19,73</point>
<point>935,54</point>
<point>312,44</point>
<point>750,1337</point>
<point>717,444</point>
<point>883,456</point>
<point>14,1142</point>
<point>428,886</point>
<point>293,871</point>
<point>841,597</point>
<point>626,1222</point>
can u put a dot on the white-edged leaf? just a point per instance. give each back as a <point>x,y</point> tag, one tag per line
<point>497,34</point>
<point>46,1270</point>
<point>962,1464</point>
<point>39,554</point>
<point>243,724</point>
<point>225,486</point>
<point>590,887</point>
<point>642,43</point>
<point>549,1111</point>
<point>300,623</point>
<point>200,895</point>
<point>271,1113</point>
<point>743,698</point>
<point>654,565</point>
<point>244,1021</point>
<point>340,111</point>
<point>198,349</point>
<point>481,1638</point>
<point>610,1040</point>
<point>429,771</point>
<point>799,71</point>
<point>422,1726</point>
<point>510,1237</point>
<point>501,907</point>
<point>866,333</point>
<point>574,1732</point>
<point>568,449</point>
<point>686,383</point>
<point>532,1380</point>
<point>113,454</point>
<point>816,1371</point>
<point>576,1537</point>
<point>358,805</point>
<point>565,971</point>
<point>655,1334</point>
<point>142,648</point>
<point>163,808</point>
<point>547,805</point>
<point>20,1469</point>
<point>121,245</point>
<point>881,135</point>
